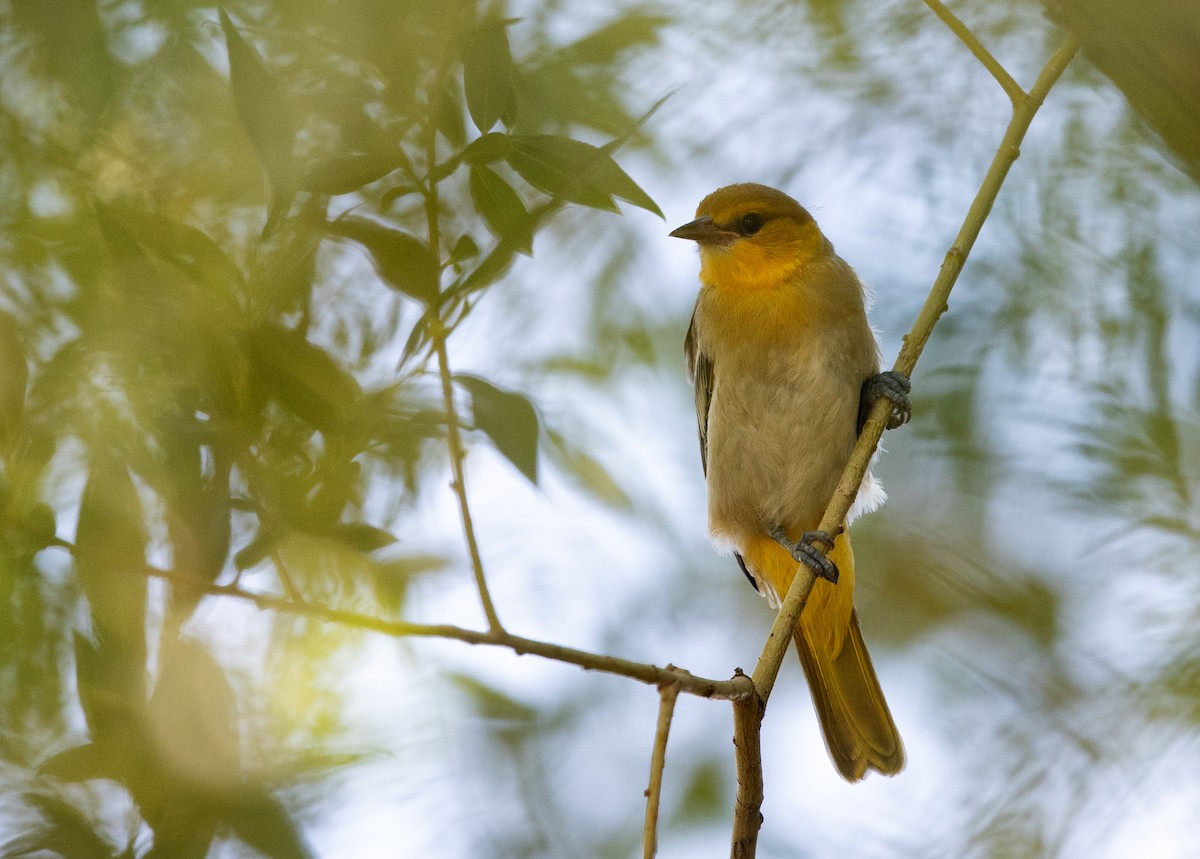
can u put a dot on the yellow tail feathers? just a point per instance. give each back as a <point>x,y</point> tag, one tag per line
<point>854,716</point>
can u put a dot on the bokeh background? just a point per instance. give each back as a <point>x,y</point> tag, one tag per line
<point>205,370</point>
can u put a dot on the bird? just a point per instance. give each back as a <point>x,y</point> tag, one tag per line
<point>786,367</point>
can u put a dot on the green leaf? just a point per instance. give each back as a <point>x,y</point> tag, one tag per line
<point>112,695</point>
<point>303,377</point>
<point>346,173</point>
<point>361,536</point>
<point>576,171</point>
<point>67,832</point>
<point>394,193</point>
<point>508,419</point>
<point>588,471</point>
<point>79,764</point>
<point>256,550</point>
<point>604,45</point>
<point>501,208</point>
<point>488,77</point>
<point>110,560</point>
<point>14,376</point>
<point>493,146</point>
<point>265,116</point>
<point>401,259</point>
<point>261,821</point>
<point>193,716</point>
<point>448,112</point>
<point>464,248</point>
<point>180,244</point>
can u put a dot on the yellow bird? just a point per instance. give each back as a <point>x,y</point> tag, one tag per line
<point>786,368</point>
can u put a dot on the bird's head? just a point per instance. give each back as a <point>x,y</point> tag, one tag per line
<point>752,236</point>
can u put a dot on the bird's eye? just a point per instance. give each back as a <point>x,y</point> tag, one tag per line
<point>751,223</point>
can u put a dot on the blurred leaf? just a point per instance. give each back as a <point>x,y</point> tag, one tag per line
<point>463,249</point>
<point>448,112</point>
<point>67,833</point>
<point>261,821</point>
<point>346,173</point>
<point>182,245</point>
<point>493,146</point>
<point>256,550</point>
<point>1149,53</point>
<point>604,45</point>
<point>392,577</point>
<point>490,702</point>
<point>403,261</point>
<point>705,794</point>
<point>265,115</point>
<point>394,193</point>
<point>587,471</point>
<point>194,726</point>
<point>501,208</point>
<point>198,519</point>
<point>303,377</point>
<point>361,536</point>
<point>488,76</point>
<point>79,764</point>
<point>575,171</point>
<point>113,702</point>
<point>110,560</point>
<point>508,419</point>
<point>14,376</point>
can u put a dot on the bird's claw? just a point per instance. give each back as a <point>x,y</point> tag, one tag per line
<point>893,385</point>
<point>806,552</point>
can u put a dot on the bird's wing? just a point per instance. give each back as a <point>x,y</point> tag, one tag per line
<point>700,374</point>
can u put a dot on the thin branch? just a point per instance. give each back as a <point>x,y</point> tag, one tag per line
<point>438,334</point>
<point>668,692</point>
<point>1011,87</point>
<point>767,667</point>
<point>727,690</point>
<point>747,744</point>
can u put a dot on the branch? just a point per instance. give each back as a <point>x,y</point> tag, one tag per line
<point>1011,87</point>
<point>767,667</point>
<point>668,692</point>
<point>438,334</point>
<point>747,744</point>
<point>734,689</point>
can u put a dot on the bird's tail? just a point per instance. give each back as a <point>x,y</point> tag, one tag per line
<point>854,716</point>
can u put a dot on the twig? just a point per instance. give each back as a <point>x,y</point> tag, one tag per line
<point>747,744</point>
<point>728,690</point>
<point>668,692</point>
<point>1024,109</point>
<point>438,335</point>
<point>1011,87</point>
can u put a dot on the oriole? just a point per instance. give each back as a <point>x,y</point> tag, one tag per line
<point>785,367</point>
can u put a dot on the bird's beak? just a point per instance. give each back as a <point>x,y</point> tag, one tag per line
<point>705,231</point>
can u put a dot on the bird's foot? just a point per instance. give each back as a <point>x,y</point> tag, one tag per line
<point>893,385</point>
<point>806,552</point>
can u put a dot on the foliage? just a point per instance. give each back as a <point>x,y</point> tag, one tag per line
<point>174,329</point>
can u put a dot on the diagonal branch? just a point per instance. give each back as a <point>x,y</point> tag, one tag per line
<point>1010,86</point>
<point>668,692</point>
<point>767,669</point>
